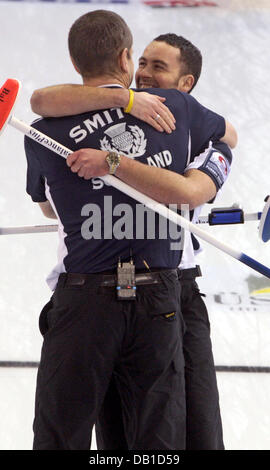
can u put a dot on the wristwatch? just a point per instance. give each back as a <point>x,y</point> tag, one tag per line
<point>113,160</point>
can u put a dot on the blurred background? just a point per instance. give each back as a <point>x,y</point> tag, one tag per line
<point>234,38</point>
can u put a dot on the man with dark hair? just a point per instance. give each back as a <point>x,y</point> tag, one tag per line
<point>189,59</point>
<point>172,61</point>
<point>169,61</point>
<point>90,333</point>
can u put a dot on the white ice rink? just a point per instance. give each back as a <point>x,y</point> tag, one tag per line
<point>235,44</point>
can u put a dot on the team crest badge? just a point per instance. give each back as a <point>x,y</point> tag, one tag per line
<point>131,143</point>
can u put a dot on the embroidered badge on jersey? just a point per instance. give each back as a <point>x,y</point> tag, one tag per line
<point>217,165</point>
<point>131,143</point>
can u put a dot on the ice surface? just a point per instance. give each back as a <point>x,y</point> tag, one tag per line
<point>235,48</point>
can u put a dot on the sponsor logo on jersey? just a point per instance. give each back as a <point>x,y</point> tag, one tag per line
<point>217,165</point>
<point>221,164</point>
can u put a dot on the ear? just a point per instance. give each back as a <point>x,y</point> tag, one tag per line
<point>185,83</point>
<point>123,60</point>
<point>74,65</point>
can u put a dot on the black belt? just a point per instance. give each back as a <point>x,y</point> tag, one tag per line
<point>190,273</point>
<point>108,280</point>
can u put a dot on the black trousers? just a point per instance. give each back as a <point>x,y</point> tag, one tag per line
<point>90,336</point>
<point>203,425</point>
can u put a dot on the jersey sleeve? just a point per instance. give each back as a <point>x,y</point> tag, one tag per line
<point>35,181</point>
<point>205,126</point>
<point>215,161</point>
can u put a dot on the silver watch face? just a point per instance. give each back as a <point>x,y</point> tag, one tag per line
<point>113,158</point>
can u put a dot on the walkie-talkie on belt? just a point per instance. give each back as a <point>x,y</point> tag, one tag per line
<point>126,284</point>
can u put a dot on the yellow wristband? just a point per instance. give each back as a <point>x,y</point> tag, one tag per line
<point>130,103</point>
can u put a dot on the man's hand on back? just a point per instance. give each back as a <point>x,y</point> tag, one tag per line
<point>151,109</point>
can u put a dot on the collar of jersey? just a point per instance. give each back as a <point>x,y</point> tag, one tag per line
<point>111,85</point>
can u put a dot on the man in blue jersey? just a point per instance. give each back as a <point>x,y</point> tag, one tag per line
<point>172,61</point>
<point>169,61</point>
<point>89,333</point>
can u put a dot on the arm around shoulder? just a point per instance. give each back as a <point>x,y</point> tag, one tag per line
<point>68,99</point>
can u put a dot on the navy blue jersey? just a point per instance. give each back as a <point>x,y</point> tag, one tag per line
<point>97,223</point>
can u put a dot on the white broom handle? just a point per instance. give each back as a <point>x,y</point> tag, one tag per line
<point>39,137</point>
<point>28,229</point>
<point>54,228</point>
